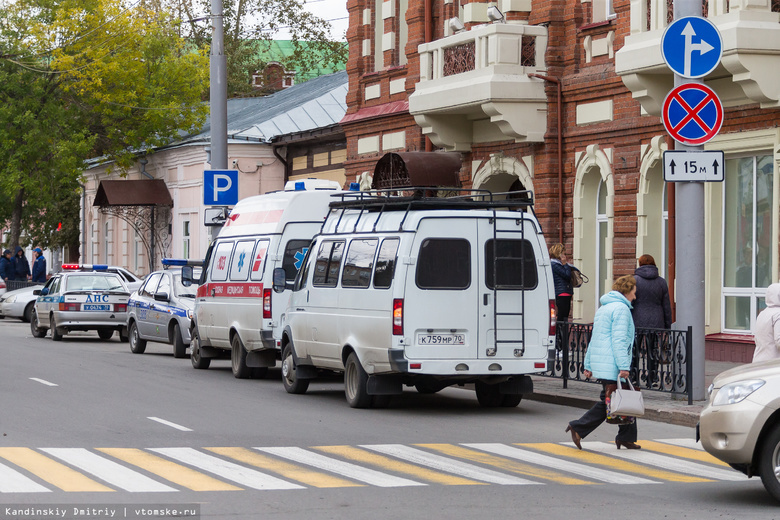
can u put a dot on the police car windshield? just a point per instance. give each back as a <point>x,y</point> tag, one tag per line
<point>94,282</point>
<point>185,292</point>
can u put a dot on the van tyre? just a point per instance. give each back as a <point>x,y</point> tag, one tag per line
<point>355,383</point>
<point>769,462</point>
<point>179,347</point>
<point>291,383</point>
<point>105,334</point>
<point>37,332</point>
<point>511,400</point>
<point>137,345</point>
<point>238,359</point>
<point>56,335</point>
<point>198,362</point>
<point>488,395</point>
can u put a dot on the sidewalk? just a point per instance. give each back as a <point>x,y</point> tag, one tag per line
<point>659,406</point>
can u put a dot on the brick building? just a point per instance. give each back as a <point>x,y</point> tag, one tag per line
<point>563,98</point>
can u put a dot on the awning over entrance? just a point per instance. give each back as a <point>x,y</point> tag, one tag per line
<point>152,192</point>
<point>399,170</point>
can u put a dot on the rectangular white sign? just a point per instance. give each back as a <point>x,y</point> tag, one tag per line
<point>699,166</point>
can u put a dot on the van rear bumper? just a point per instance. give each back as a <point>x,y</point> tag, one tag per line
<point>464,367</point>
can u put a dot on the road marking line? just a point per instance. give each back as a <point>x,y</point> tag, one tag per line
<point>681,452</point>
<point>11,481</point>
<point>244,476</point>
<point>365,457</point>
<point>654,459</point>
<point>169,423</point>
<point>504,464</point>
<point>176,473</point>
<point>346,469</point>
<point>685,443</point>
<point>43,381</point>
<point>568,450</point>
<point>50,470</point>
<point>437,462</point>
<point>107,470</point>
<point>611,477</point>
<point>290,471</point>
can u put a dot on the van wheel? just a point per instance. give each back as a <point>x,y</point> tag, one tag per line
<point>511,400</point>
<point>137,345</point>
<point>197,361</point>
<point>105,333</point>
<point>355,382</point>
<point>488,395</point>
<point>292,384</point>
<point>37,332</point>
<point>179,347</point>
<point>769,462</point>
<point>56,335</point>
<point>238,359</point>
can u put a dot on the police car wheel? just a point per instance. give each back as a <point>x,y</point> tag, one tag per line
<point>137,345</point>
<point>355,383</point>
<point>488,395</point>
<point>105,334</point>
<point>198,362</point>
<point>37,332</point>
<point>292,384</point>
<point>179,347</point>
<point>56,335</point>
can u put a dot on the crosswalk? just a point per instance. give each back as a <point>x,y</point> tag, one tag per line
<point>172,469</point>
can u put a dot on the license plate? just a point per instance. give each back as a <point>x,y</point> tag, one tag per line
<point>441,339</point>
<point>92,307</point>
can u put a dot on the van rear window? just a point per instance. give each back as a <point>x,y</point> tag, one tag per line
<point>515,265</point>
<point>359,263</point>
<point>444,263</point>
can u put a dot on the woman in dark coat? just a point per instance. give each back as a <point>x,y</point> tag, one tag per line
<point>562,281</point>
<point>651,310</point>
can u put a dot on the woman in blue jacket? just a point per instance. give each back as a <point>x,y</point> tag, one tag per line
<point>609,358</point>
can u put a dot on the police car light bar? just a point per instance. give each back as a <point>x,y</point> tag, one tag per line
<point>85,267</point>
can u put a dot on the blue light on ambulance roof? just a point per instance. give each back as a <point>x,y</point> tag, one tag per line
<point>300,186</point>
<point>354,186</point>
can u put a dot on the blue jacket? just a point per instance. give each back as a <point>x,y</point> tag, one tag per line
<point>6,269</point>
<point>562,277</point>
<point>612,341</point>
<point>39,270</point>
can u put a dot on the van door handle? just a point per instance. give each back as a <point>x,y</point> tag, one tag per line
<point>300,309</point>
<point>486,299</point>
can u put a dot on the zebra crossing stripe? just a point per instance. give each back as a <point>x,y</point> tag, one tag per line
<point>590,457</point>
<point>611,477</point>
<point>437,462</point>
<point>51,471</point>
<point>684,443</point>
<point>176,473</point>
<point>671,463</point>
<point>11,481</point>
<point>397,466</point>
<point>234,472</point>
<point>107,470</point>
<point>681,452</point>
<point>346,469</point>
<point>289,471</point>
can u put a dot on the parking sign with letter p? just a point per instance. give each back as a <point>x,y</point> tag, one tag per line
<point>220,187</point>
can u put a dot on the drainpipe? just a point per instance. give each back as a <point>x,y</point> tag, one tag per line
<point>560,151</point>
<point>428,36</point>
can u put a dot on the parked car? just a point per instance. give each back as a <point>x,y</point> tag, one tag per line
<point>18,303</point>
<point>81,300</point>
<point>161,310</point>
<point>132,282</point>
<point>740,424</point>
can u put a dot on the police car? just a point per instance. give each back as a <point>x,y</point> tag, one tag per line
<point>161,309</point>
<point>81,300</point>
<point>132,282</point>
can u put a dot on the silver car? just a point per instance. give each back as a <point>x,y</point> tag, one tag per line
<point>161,311</point>
<point>78,300</point>
<point>18,303</point>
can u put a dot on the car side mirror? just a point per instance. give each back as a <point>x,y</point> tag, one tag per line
<point>161,297</point>
<point>37,292</point>
<point>279,280</point>
<point>186,275</point>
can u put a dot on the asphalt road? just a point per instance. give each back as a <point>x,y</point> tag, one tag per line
<point>86,423</point>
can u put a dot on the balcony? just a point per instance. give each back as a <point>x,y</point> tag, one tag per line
<point>474,87</point>
<point>748,72</point>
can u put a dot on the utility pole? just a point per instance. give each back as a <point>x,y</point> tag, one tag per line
<point>218,94</point>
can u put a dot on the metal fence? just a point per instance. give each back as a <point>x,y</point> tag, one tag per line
<point>660,358</point>
<point>12,285</point>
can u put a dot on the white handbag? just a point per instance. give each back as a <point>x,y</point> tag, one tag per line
<point>627,401</point>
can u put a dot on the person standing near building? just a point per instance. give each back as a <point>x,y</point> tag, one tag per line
<point>39,266</point>
<point>6,267</point>
<point>562,281</point>
<point>767,331</point>
<point>651,310</point>
<point>21,265</point>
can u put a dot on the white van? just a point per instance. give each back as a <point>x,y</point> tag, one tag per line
<point>422,291</point>
<point>235,308</point>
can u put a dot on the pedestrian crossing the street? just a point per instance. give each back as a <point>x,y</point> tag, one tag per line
<point>172,469</point>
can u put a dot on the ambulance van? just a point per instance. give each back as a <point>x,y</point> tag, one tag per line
<point>236,311</point>
<point>422,291</point>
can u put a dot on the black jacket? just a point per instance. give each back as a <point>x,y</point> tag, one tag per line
<point>21,265</point>
<point>651,309</point>
<point>562,277</point>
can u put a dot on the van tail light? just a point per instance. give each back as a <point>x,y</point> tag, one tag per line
<point>120,307</point>
<point>266,304</point>
<point>553,317</point>
<point>398,317</point>
<point>70,307</point>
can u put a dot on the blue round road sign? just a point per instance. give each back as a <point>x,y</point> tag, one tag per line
<point>692,114</point>
<point>692,47</point>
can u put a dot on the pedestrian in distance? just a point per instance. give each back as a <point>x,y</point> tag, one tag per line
<point>767,331</point>
<point>21,265</point>
<point>6,266</point>
<point>39,266</point>
<point>608,359</point>
<point>651,310</point>
<point>562,281</point>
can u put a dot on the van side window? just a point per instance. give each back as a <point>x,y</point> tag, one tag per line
<point>292,260</point>
<point>326,267</point>
<point>359,263</point>
<point>204,272</point>
<point>385,263</point>
<point>219,267</point>
<point>444,263</point>
<point>258,259</point>
<point>239,267</point>
<point>515,267</point>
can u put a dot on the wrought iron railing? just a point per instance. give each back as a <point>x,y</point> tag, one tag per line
<point>12,285</point>
<point>660,358</point>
